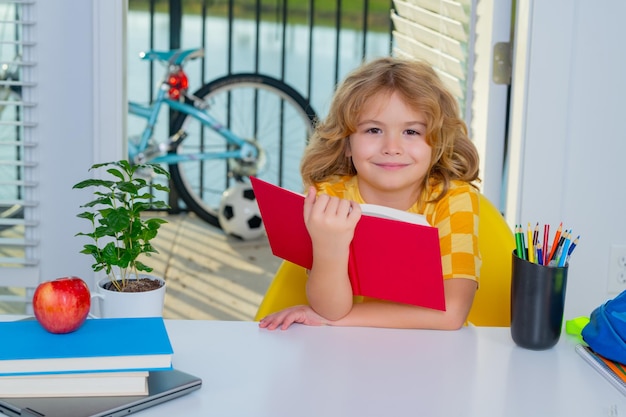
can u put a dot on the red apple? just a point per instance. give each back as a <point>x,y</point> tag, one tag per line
<point>62,305</point>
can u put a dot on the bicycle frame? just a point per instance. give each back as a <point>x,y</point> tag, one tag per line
<point>230,128</point>
<point>243,150</point>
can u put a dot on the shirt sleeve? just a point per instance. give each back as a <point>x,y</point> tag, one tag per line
<point>456,217</point>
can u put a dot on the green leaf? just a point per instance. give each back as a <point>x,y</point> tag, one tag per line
<point>86,215</point>
<point>89,249</point>
<point>145,196</point>
<point>94,182</point>
<point>140,207</point>
<point>158,169</point>
<point>155,222</point>
<point>96,166</point>
<point>104,200</point>
<point>126,166</point>
<point>161,187</point>
<point>117,220</point>
<point>117,173</point>
<point>149,234</point>
<point>127,188</point>
<point>142,267</point>
<point>148,249</point>
<point>160,205</point>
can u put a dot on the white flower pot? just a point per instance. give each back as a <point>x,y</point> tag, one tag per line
<point>129,304</point>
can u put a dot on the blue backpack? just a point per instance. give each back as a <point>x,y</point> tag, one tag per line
<point>605,329</point>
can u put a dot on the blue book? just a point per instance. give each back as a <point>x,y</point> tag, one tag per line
<point>116,344</point>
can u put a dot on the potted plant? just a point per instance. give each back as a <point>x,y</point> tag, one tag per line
<point>120,236</point>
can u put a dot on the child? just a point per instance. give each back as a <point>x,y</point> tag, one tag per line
<point>392,137</point>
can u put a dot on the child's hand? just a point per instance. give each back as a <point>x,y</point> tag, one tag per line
<point>298,314</point>
<point>330,221</point>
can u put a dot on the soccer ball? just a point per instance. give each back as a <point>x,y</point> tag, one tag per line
<point>239,214</point>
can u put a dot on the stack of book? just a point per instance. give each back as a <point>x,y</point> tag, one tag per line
<point>104,357</point>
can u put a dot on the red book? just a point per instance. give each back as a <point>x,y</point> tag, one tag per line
<point>394,254</point>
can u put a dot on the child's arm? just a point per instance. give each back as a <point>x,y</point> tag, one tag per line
<point>331,222</point>
<point>459,293</point>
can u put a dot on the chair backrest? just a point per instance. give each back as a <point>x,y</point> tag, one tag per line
<point>492,302</point>
<point>286,289</point>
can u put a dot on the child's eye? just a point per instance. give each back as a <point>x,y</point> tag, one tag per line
<point>411,132</point>
<point>373,130</point>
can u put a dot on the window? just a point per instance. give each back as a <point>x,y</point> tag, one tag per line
<point>438,32</point>
<point>18,152</point>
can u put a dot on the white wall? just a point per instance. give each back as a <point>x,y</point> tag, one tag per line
<point>567,133</point>
<point>79,93</point>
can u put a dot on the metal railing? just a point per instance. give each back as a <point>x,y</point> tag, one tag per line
<point>308,44</point>
<point>339,22</point>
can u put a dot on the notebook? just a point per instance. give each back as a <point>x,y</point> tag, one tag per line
<point>614,372</point>
<point>163,386</point>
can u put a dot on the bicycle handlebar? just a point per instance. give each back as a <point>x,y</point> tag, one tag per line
<point>174,56</point>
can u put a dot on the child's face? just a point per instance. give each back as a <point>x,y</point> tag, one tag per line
<point>389,151</point>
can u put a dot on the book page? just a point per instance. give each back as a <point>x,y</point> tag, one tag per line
<point>385,212</point>
<point>394,214</point>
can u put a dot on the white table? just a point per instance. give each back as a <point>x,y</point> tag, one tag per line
<point>328,371</point>
<point>331,371</point>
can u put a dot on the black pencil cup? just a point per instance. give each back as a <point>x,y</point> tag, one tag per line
<point>537,303</point>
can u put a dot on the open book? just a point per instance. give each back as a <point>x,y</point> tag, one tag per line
<point>394,254</point>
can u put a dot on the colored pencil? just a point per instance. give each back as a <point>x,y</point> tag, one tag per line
<point>546,236</point>
<point>572,247</point>
<point>519,246</point>
<point>556,242</point>
<point>531,248</point>
<point>523,240</point>
<point>564,250</point>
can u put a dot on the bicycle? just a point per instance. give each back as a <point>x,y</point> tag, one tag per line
<point>233,127</point>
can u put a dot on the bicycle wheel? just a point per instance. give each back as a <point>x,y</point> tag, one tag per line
<point>260,109</point>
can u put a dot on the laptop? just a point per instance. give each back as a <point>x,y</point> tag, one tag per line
<point>162,386</point>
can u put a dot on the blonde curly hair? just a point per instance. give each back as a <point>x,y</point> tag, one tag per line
<point>454,156</point>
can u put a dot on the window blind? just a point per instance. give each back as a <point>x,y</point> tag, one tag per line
<point>19,265</point>
<point>439,32</point>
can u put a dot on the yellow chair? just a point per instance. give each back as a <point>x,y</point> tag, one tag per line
<point>492,301</point>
